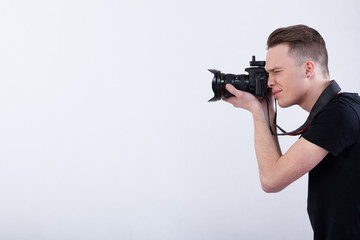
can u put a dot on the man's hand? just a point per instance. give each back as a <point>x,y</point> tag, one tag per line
<point>242,99</point>
<point>249,102</point>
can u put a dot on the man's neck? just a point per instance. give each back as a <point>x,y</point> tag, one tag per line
<point>314,94</point>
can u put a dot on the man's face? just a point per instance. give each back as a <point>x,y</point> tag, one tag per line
<point>286,77</point>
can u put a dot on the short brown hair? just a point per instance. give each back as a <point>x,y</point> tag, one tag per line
<point>304,43</point>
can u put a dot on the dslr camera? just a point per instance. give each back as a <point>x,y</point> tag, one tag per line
<point>255,82</point>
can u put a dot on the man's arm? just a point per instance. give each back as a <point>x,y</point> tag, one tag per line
<point>276,171</point>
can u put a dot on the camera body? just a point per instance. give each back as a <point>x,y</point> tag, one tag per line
<point>255,82</point>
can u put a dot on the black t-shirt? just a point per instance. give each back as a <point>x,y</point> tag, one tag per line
<point>334,184</point>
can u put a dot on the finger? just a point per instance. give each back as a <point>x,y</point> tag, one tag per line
<point>232,90</point>
<point>231,100</point>
<point>228,99</point>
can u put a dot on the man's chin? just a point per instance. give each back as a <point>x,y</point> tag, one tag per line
<point>283,104</point>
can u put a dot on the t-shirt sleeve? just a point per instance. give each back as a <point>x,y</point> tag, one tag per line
<point>335,128</point>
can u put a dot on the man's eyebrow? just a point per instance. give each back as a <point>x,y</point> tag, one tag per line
<point>272,69</point>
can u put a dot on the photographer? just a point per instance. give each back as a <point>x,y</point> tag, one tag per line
<point>329,148</point>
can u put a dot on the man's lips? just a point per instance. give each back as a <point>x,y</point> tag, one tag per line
<point>276,92</point>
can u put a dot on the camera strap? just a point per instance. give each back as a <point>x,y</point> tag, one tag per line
<point>326,96</point>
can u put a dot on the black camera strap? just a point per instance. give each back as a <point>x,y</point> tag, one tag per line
<point>326,96</point>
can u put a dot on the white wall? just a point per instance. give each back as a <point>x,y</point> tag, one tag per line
<point>105,128</point>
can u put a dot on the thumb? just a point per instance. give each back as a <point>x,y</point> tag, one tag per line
<point>232,89</point>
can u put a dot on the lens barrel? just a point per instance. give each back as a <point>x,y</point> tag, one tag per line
<point>240,82</point>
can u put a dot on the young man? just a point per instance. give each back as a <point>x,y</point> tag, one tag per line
<point>329,149</point>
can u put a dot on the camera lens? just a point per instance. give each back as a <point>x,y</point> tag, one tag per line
<point>220,80</point>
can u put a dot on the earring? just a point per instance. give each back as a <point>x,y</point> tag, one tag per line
<point>308,76</point>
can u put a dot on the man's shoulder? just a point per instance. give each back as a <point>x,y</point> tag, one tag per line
<point>347,98</point>
<point>337,125</point>
<point>344,104</point>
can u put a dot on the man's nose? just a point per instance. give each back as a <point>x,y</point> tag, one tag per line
<point>271,81</point>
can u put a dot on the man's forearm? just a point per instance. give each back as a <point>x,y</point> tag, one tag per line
<point>267,148</point>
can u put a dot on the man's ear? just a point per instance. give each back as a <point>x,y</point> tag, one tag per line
<point>309,69</point>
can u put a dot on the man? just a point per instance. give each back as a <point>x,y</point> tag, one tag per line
<point>329,149</point>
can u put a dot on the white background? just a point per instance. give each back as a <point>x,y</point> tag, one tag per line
<point>105,128</point>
